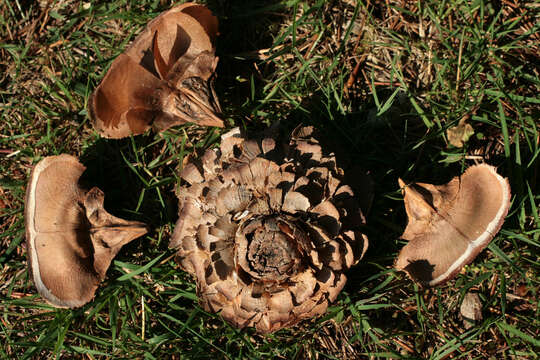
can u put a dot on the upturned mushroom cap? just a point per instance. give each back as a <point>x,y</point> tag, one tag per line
<point>70,238</point>
<point>450,224</point>
<point>163,79</point>
<point>267,233</point>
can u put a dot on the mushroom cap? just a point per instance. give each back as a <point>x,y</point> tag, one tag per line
<point>450,224</point>
<point>70,238</point>
<point>268,233</point>
<point>164,78</point>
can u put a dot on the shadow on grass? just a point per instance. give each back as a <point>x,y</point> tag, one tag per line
<point>245,27</point>
<point>388,146</point>
<point>116,167</point>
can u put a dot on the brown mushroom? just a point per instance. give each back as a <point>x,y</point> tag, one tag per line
<point>70,238</point>
<point>450,224</point>
<point>268,234</point>
<point>164,78</point>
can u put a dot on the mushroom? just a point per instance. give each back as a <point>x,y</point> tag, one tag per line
<point>450,224</point>
<point>70,238</point>
<point>268,234</point>
<point>164,78</point>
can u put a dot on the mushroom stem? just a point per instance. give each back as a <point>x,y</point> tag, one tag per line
<point>106,229</point>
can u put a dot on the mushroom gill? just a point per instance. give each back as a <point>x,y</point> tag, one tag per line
<point>70,238</point>
<point>267,231</point>
<point>164,78</point>
<point>450,224</point>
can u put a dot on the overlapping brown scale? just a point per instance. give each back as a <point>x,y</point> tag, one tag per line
<point>264,233</point>
<point>163,79</point>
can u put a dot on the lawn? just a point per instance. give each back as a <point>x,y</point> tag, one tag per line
<point>386,80</point>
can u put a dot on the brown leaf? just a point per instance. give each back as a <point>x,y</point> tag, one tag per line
<point>522,290</point>
<point>70,238</point>
<point>458,135</point>
<point>471,309</point>
<point>164,78</point>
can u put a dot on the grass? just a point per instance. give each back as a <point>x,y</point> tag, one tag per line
<point>384,80</point>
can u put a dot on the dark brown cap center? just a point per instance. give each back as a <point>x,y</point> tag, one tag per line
<point>268,249</point>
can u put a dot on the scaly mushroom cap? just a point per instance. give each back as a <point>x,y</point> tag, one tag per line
<point>163,79</point>
<point>267,233</point>
<point>450,224</point>
<point>70,238</point>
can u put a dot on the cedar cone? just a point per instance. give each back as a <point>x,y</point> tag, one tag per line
<point>267,231</point>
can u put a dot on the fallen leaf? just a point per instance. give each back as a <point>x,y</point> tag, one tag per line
<point>458,135</point>
<point>471,309</point>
